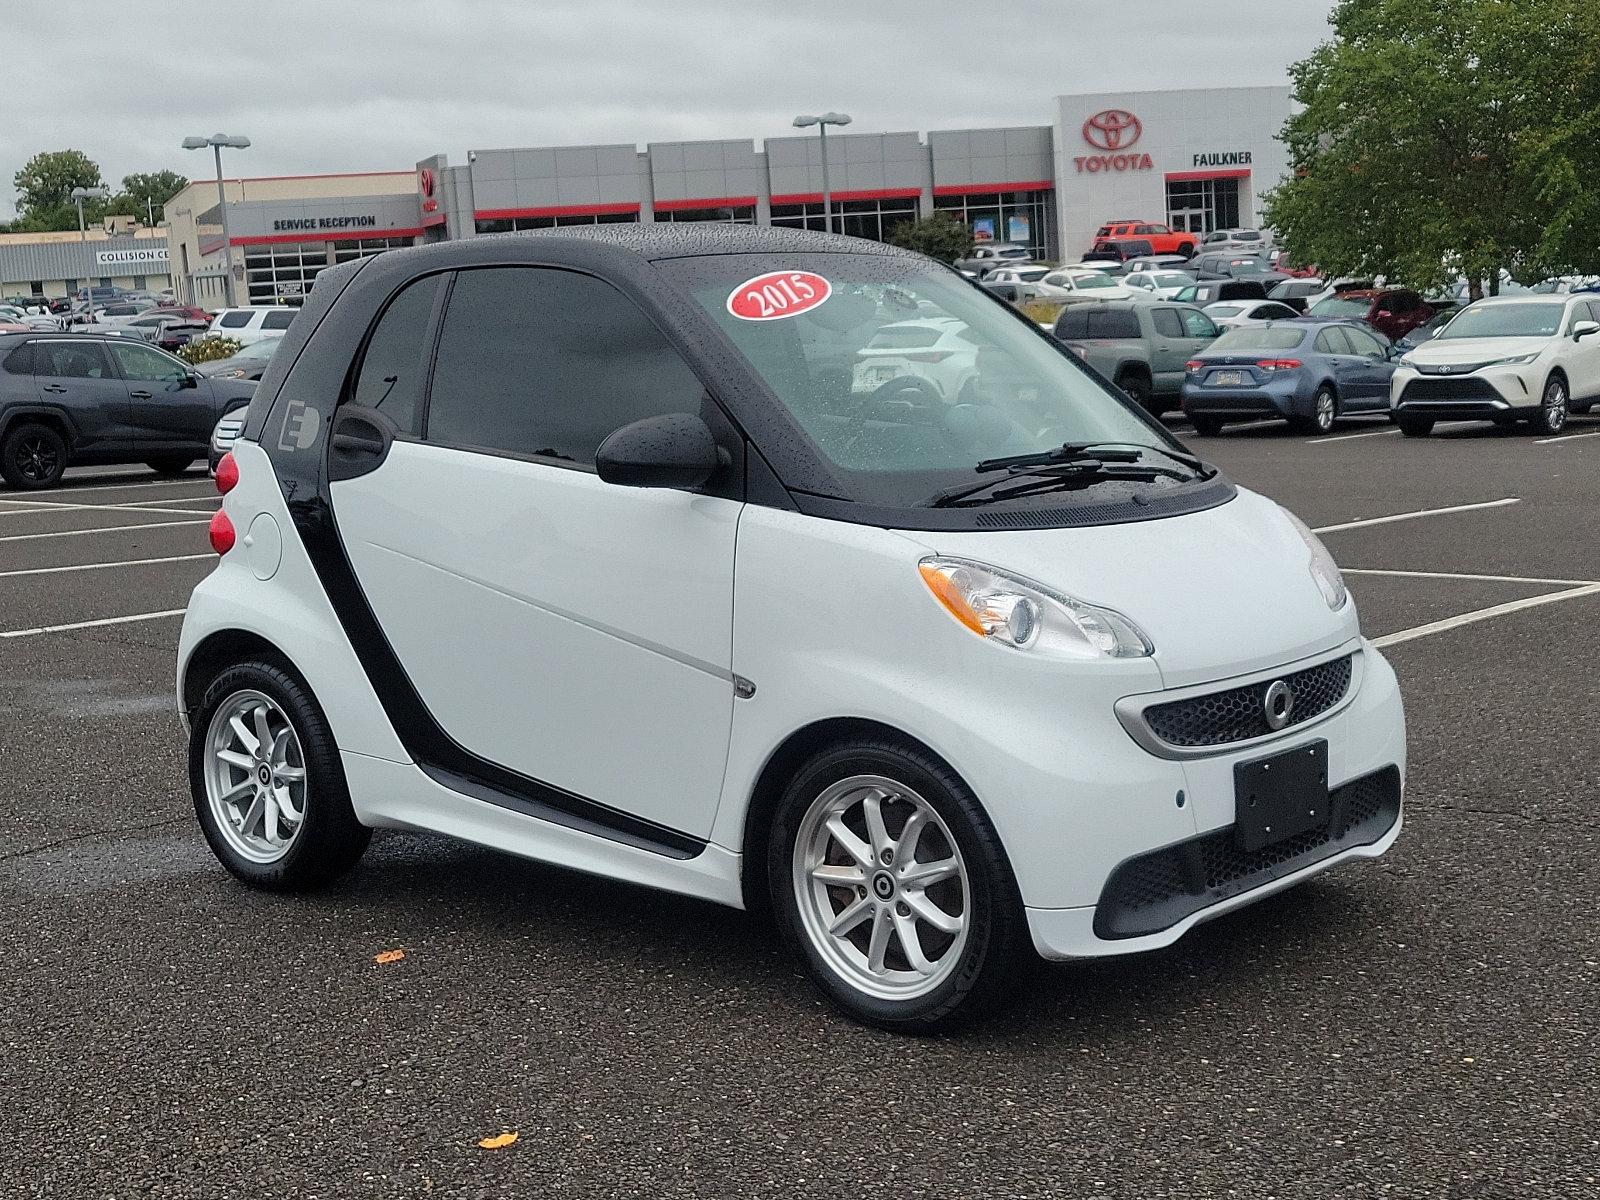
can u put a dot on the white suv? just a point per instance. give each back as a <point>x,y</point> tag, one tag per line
<point>1509,358</point>
<point>248,326</point>
<point>582,546</point>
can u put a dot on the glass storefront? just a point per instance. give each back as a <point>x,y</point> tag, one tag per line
<point>1201,205</point>
<point>738,214</point>
<point>873,219</point>
<point>513,224</point>
<point>1016,218</point>
<point>283,273</point>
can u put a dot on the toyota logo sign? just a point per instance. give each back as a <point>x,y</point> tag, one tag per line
<point>425,181</point>
<point>1112,130</point>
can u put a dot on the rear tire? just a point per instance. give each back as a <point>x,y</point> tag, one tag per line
<point>170,464</point>
<point>33,456</point>
<point>1415,426</point>
<point>917,956</point>
<point>1324,411</point>
<point>1206,426</point>
<point>1138,389</point>
<point>295,770</point>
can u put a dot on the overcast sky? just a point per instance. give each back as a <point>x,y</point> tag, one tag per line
<point>363,85</point>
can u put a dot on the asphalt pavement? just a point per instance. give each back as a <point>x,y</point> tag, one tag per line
<point>1427,1025</point>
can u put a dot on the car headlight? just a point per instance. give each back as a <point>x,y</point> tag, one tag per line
<point>1508,362</point>
<point>1405,360</point>
<point>1323,569</point>
<point>1026,615</point>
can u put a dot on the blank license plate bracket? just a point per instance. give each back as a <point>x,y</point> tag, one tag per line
<point>1280,796</point>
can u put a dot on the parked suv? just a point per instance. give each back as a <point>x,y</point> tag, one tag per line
<point>1511,358</point>
<point>986,256</point>
<point>1161,239</point>
<point>70,399</point>
<point>1139,346</point>
<point>1393,312</point>
<point>248,325</point>
<point>568,545</point>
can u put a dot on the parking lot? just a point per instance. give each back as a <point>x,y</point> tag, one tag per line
<point>1425,1025</point>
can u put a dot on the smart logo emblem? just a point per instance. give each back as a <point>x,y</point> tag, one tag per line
<point>1115,131</point>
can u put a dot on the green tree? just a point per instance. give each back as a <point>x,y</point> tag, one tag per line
<point>44,188</point>
<point>1439,138</point>
<point>940,236</point>
<point>144,192</point>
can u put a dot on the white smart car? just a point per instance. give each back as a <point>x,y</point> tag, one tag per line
<point>1525,357</point>
<point>576,546</point>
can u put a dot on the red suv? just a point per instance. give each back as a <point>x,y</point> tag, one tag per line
<point>1163,239</point>
<point>1393,312</point>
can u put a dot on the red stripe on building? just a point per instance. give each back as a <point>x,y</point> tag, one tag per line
<point>975,189</point>
<point>1185,176</point>
<point>713,202</point>
<point>332,235</point>
<point>555,210</point>
<point>869,194</point>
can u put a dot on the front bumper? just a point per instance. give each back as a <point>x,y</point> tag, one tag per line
<point>1493,393</point>
<point>1152,897</point>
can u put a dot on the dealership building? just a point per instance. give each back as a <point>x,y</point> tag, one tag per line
<point>58,264</point>
<point>1197,159</point>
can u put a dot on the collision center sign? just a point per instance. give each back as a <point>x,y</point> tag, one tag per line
<point>1114,132</point>
<point>139,256</point>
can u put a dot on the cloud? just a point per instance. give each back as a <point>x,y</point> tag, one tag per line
<point>363,85</point>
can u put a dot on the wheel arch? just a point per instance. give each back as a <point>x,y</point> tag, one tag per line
<point>781,764</point>
<point>45,415</point>
<point>217,651</point>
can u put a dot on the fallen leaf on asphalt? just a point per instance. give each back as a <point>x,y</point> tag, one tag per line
<point>389,956</point>
<point>498,1142</point>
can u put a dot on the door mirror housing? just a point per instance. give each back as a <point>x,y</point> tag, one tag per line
<point>1583,329</point>
<point>190,380</point>
<point>676,450</point>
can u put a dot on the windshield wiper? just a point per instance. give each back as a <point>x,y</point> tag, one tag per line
<point>1095,451</point>
<point>1048,475</point>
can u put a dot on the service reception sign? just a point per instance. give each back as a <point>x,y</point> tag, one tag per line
<point>140,256</point>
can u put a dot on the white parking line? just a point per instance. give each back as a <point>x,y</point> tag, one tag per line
<point>1421,512</point>
<point>1471,578</point>
<point>150,616</point>
<point>36,506</point>
<point>1483,614</point>
<point>1350,437</point>
<point>26,537</point>
<point>124,487</point>
<point>1566,437</point>
<point>103,566</point>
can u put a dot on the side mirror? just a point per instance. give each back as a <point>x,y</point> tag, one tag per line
<point>675,450</point>
<point>1583,329</point>
<point>190,380</point>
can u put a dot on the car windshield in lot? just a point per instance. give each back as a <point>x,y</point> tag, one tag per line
<point>1257,337</point>
<point>1340,306</point>
<point>1084,280</point>
<point>906,425</point>
<point>1224,310</point>
<point>1506,320</point>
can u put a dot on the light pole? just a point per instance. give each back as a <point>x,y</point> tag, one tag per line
<point>822,122</point>
<point>217,141</point>
<point>79,195</point>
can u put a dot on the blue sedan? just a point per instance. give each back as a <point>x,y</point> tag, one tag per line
<point>1307,372</point>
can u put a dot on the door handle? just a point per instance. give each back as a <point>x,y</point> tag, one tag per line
<point>355,443</point>
<point>54,387</point>
<point>140,395</point>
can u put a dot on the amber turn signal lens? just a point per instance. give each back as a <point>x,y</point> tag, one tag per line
<point>947,594</point>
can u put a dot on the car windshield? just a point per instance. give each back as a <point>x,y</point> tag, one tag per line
<point>1506,320</point>
<point>1172,279</point>
<point>1340,306</point>
<point>1092,279</point>
<point>1249,266</point>
<point>1224,310</point>
<point>1250,338</point>
<point>899,427</point>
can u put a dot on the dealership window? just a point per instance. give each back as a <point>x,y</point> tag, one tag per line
<point>36,287</point>
<point>1016,218</point>
<point>873,219</point>
<point>278,272</point>
<point>1201,205</point>
<point>737,214</point>
<point>349,249</point>
<point>514,224</point>
<point>138,283</point>
<point>105,281</point>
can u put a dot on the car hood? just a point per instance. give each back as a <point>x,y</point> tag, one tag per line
<point>1459,351</point>
<point>229,390</point>
<point>1220,593</point>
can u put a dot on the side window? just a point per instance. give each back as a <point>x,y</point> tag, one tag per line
<point>1196,324</point>
<point>1333,341</point>
<point>71,360</point>
<point>1073,323</point>
<point>546,362</point>
<point>1277,312</point>
<point>20,360</point>
<point>142,364</point>
<point>1167,322</point>
<point>391,375</point>
<point>1113,323</point>
<point>1594,312</point>
<point>1363,343</point>
<point>280,319</point>
<point>236,320</point>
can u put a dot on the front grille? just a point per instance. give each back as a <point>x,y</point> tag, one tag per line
<point>1239,714</point>
<point>1155,891</point>
<point>1465,388</point>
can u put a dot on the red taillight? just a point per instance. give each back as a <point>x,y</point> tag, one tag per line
<point>1194,364</point>
<point>1278,364</point>
<point>227,474</point>
<point>221,532</point>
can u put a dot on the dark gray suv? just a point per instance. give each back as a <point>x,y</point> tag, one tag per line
<point>69,399</point>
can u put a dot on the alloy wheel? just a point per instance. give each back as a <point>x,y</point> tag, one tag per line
<point>35,459</point>
<point>882,888</point>
<point>1325,411</point>
<point>255,776</point>
<point>1555,407</point>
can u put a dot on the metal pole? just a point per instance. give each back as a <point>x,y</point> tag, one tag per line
<point>827,192</point>
<point>227,240</point>
<point>83,235</point>
<point>150,207</point>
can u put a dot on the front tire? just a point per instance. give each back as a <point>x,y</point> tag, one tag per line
<point>268,787</point>
<point>33,456</point>
<point>1415,426</point>
<point>171,464</point>
<point>892,888</point>
<point>1551,418</point>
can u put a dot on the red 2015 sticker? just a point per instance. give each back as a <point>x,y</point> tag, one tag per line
<point>778,294</point>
